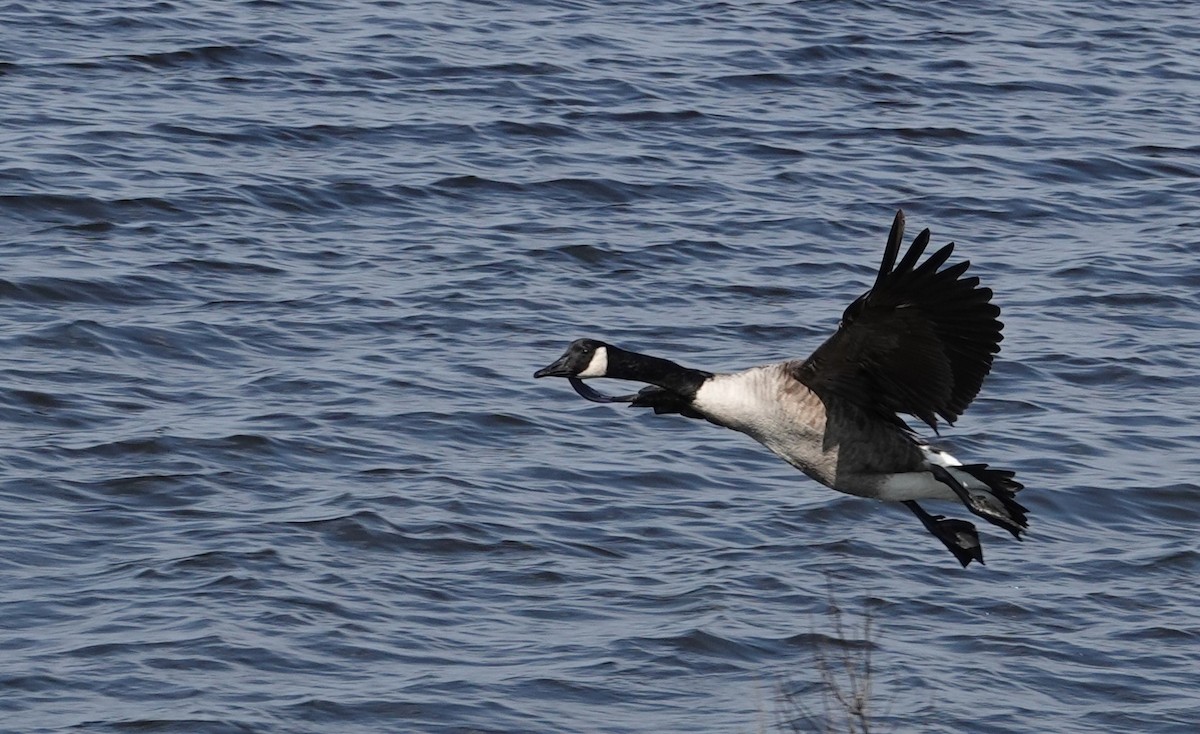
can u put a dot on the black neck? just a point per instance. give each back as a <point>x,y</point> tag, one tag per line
<point>626,365</point>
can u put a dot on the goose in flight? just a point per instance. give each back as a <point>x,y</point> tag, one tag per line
<point>919,342</point>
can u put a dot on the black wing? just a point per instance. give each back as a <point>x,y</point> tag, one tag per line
<point>921,341</point>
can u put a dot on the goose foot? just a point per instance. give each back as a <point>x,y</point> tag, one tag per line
<point>959,536</point>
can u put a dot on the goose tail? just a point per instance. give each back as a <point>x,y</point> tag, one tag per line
<point>1004,487</point>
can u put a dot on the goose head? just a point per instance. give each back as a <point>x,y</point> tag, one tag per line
<point>583,358</point>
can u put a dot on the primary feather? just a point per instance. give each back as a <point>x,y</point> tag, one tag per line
<point>920,341</point>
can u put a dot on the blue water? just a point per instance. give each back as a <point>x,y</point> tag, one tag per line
<point>276,276</point>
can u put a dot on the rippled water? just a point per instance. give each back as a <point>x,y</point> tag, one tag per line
<point>276,276</point>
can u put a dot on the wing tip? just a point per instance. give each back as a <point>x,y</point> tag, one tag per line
<point>895,239</point>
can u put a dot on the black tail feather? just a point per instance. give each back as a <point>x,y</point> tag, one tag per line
<point>1004,487</point>
<point>1010,514</point>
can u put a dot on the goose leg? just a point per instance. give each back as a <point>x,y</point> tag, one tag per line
<point>994,507</point>
<point>958,536</point>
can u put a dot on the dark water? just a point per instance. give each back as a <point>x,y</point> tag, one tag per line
<point>276,276</point>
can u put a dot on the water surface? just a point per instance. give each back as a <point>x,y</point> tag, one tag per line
<point>276,276</point>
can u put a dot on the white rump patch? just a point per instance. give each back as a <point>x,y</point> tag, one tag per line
<point>598,367</point>
<point>937,457</point>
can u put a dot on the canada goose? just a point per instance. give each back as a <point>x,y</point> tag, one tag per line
<point>920,341</point>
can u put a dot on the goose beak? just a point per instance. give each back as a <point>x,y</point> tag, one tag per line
<point>556,369</point>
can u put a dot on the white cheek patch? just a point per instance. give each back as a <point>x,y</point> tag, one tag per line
<point>598,367</point>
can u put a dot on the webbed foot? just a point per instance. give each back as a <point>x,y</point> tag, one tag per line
<point>959,536</point>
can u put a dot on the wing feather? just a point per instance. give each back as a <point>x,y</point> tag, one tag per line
<point>920,341</point>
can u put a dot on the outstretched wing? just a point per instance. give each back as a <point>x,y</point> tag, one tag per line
<point>921,341</point>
